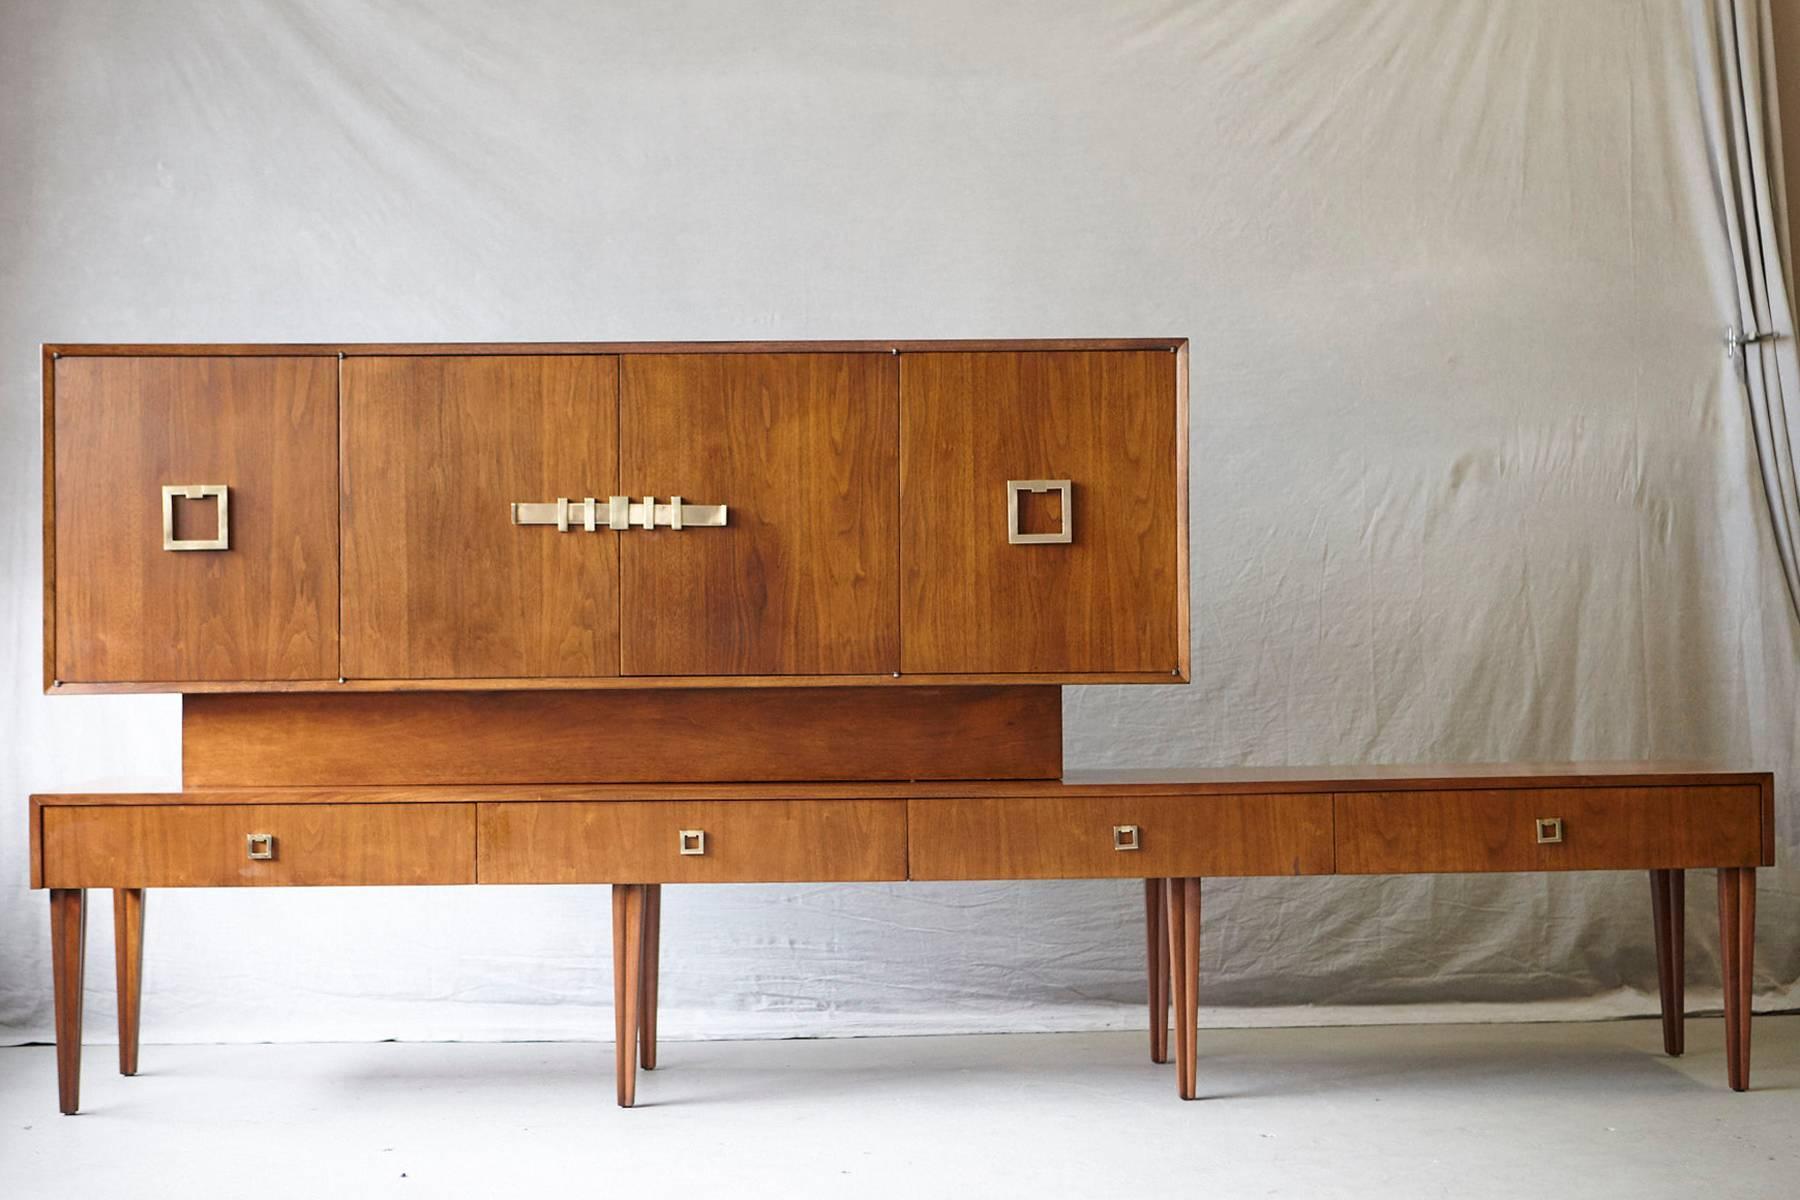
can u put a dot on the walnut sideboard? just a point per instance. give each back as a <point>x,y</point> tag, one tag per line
<point>647,614</point>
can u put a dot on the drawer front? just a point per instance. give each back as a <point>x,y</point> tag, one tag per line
<point>738,841</point>
<point>208,845</point>
<point>1085,837</point>
<point>1380,833</point>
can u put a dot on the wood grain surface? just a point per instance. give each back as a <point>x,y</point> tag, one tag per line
<point>127,610</point>
<point>800,448</point>
<point>1071,837</point>
<point>438,581</point>
<point>595,737</point>
<point>204,845</point>
<point>1110,600</point>
<point>771,841</point>
<point>1385,833</point>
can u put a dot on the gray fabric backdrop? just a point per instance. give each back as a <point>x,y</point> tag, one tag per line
<point>1472,479</point>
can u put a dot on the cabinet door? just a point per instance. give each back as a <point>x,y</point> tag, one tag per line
<point>259,434</point>
<point>438,580</point>
<point>802,579</point>
<point>1110,598</point>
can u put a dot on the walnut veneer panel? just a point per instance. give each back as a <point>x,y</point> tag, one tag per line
<point>599,737</point>
<point>1112,599</point>
<point>1382,833</point>
<point>315,845</point>
<point>800,448</point>
<point>1073,837</point>
<point>127,610</point>
<point>438,581</point>
<point>745,841</point>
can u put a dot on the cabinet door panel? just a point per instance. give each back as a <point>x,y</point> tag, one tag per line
<point>800,449</point>
<point>438,581</point>
<point>262,608</point>
<point>1107,600</point>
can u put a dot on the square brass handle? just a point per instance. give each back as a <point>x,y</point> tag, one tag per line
<point>1039,487</point>
<point>1549,831</point>
<point>259,846</point>
<point>196,491</point>
<point>692,841</point>
<point>1125,837</point>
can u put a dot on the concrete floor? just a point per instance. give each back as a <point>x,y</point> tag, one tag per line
<point>1538,1111</point>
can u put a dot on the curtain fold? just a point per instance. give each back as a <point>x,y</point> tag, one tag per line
<point>1735,45</point>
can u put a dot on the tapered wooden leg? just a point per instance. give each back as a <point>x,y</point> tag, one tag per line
<point>1156,959</point>
<point>647,991</point>
<point>628,962</point>
<point>1668,904</point>
<point>1737,953</point>
<point>68,955</point>
<point>1190,987</point>
<point>1184,982</point>
<point>128,961</point>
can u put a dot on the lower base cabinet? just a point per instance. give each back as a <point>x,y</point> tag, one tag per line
<point>1170,833</point>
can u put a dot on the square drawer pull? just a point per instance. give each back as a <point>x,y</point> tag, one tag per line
<point>1549,830</point>
<point>217,492</point>
<point>693,841</point>
<point>1125,837</point>
<point>259,846</point>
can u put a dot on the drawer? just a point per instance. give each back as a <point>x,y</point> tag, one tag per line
<point>698,841</point>
<point>310,845</point>
<point>1073,837</point>
<point>1381,833</point>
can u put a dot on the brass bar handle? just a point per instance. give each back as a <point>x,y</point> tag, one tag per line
<point>1125,837</point>
<point>691,841</point>
<point>1549,831</point>
<point>1038,487</point>
<point>619,513</point>
<point>196,491</point>
<point>259,846</point>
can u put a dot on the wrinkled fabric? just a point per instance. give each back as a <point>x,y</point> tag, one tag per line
<point>1472,477</point>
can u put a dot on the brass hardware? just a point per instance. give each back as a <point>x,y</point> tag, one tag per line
<point>259,846</point>
<point>196,491</point>
<point>1039,487</point>
<point>692,841</point>
<point>1549,830</point>
<point>1125,837</point>
<point>620,513</point>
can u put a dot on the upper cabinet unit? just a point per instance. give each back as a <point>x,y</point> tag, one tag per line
<point>191,520</point>
<point>1043,500</point>
<point>614,515</point>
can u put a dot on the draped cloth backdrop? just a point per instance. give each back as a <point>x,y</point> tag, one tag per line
<point>1473,476</point>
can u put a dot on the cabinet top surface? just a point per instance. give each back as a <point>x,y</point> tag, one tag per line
<point>1188,781</point>
<point>865,346</point>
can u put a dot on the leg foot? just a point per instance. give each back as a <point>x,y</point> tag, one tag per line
<point>68,955</point>
<point>1668,902</point>
<point>628,960</point>
<point>1156,961</point>
<point>1737,953</point>
<point>647,992</point>
<point>128,959</point>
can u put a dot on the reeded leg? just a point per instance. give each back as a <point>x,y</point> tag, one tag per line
<point>647,992</point>
<point>1156,960</point>
<point>1668,903</point>
<point>1737,952</point>
<point>128,960</point>
<point>628,961</point>
<point>68,955</point>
